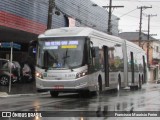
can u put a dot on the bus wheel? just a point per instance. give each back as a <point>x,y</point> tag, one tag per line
<point>140,84</point>
<point>54,93</point>
<point>132,88</point>
<point>99,89</point>
<point>85,94</point>
<point>119,83</point>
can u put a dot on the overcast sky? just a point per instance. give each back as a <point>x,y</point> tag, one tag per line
<point>130,15</point>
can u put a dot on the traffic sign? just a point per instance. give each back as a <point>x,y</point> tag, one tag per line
<point>16,46</point>
<point>9,45</point>
<point>5,45</point>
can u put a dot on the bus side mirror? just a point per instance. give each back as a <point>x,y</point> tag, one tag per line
<point>30,51</point>
<point>93,52</point>
<point>33,43</point>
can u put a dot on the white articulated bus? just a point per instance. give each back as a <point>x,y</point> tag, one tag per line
<point>83,59</point>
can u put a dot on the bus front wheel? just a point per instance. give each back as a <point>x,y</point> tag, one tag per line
<point>98,88</point>
<point>54,93</point>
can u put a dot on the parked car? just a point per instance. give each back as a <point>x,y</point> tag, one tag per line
<point>5,67</point>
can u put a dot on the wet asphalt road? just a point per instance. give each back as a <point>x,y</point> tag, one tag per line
<point>146,99</point>
<point>20,88</point>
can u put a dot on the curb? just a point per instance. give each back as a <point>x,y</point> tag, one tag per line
<point>4,94</point>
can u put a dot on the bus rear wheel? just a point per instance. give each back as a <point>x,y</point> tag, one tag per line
<point>132,88</point>
<point>99,87</point>
<point>119,83</point>
<point>54,93</point>
<point>140,84</point>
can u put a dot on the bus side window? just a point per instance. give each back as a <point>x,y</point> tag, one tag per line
<point>95,57</point>
<point>92,56</point>
<point>93,52</point>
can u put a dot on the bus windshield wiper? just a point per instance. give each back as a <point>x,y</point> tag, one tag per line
<point>65,62</point>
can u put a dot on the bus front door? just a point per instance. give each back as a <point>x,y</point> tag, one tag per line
<point>106,66</point>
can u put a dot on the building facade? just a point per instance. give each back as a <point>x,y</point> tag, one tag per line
<point>22,20</point>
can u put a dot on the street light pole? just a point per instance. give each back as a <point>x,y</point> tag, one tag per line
<point>10,66</point>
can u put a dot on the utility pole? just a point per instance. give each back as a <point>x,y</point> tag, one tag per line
<point>109,15</point>
<point>50,12</point>
<point>148,36</point>
<point>140,24</point>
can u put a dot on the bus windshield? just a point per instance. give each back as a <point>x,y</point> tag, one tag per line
<point>60,53</point>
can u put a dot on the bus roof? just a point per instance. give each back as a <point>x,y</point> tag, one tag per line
<point>129,43</point>
<point>66,32</point>
<point>74,31</point>
<point>82,31</point>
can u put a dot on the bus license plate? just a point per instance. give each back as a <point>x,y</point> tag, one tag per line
<point>58,87</point>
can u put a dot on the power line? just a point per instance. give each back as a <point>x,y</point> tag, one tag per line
<point>147,1</point>
<point>133,16</point>
<point>128,12</point>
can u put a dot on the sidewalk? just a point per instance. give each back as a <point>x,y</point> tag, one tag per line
<point>17,89</point>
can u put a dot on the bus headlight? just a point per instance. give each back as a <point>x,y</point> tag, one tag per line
<point>39,75</point>
<point>81,74</point>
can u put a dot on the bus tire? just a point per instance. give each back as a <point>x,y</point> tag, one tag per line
<point>86,94</point>
<point>132,88</point>
<point>99,88</point>
<point>119,83</point>
<point>99,85</point>
<point>136,87</point>
<point>140,84</point>
<point>54,93</point>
